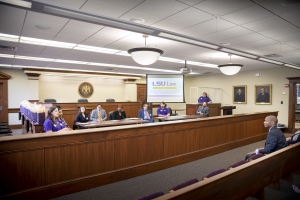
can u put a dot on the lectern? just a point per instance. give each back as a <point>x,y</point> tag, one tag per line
<point>227,110</point>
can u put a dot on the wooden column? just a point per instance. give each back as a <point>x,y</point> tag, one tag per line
<point>292,102</point>
<point>4,96</point>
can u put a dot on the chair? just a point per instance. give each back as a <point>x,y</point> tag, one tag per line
<point>256,156</point>
<point>83,101</point>
<point>171,113</point>
<point>110,100</point>
<point>213,173</point>
<point>50,101</point>
<point>184,184</point>
<point>74,125</point>
<point>237,164</point>
<point>151,196</point>
<point>110,115</point>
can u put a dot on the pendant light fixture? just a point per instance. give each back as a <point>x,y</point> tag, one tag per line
<point>230,69</point>
<point>145,55</point>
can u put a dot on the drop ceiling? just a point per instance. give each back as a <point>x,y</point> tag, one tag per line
<point>258,27</point>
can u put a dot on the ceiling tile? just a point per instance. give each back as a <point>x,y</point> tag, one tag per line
<point>110,34</point>
<point>223,7</point>
<point>213,25</point>
<point>160,8</point>
<point>68,3</point>
<point>27,48</point>
<point>54,27</point>
<point>46,35</point>
<point>170,26</point>
<point>233,32</point>
<point>128,4</point>
<point>84,25</point>
<point>265,24</point>
<point>101,8</point>
<point>191,2</point>
<point>68,38</point>
<point>12,11</point>
<point>46,18</point>
<point>11,20</point>
<point>54,51</point>
<point>278,31</point>
<point>288,37</point>
<point>276,7</point>
<point>292,16</point>
<point>12,30</point>
<point>97,43</point>
<point>77,32</point>
<point>189,17</point>
<point>247,15</point>
<point>246,38</point>
<point>133,14</point>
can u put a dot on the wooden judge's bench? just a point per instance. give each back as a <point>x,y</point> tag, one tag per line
<point>214,109</point>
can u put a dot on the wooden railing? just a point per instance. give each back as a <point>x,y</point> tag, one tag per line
<point>55,164</point>
<point>243,181</point>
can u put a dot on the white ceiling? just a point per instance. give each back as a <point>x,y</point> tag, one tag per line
<point>259,27</point>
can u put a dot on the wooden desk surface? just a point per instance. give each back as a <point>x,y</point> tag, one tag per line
<point>112,123</point>
<point>180,117</point>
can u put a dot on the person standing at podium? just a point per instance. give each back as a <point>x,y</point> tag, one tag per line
<point>203,110</point>
<point>204,98</point>
<point>98,114</point>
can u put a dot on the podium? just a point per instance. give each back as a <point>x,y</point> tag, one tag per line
<point>227,110</point>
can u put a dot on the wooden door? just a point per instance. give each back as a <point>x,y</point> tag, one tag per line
<point>4,97</point>
<point>141,92</point>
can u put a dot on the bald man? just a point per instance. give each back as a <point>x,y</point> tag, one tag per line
<point>275,139</point>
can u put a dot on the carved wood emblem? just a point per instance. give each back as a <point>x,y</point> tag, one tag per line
<point>85,90</point>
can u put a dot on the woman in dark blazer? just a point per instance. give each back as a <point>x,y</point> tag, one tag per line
<point>82,116</point>
<point>119,113</point>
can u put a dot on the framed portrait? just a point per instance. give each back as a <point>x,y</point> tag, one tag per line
<point>263,94</point>
<point>239,94</point>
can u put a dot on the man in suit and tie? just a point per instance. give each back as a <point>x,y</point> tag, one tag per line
<point>145,114</point>
<point>98,114</point>
<point>263,96</point>
<point>203,110</point>
<point>275,139</point>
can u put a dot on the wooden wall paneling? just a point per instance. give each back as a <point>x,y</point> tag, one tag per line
<point>130,151</point>
<point>21,170</point>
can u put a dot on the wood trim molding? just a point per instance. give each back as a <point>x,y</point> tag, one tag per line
<point>4,76</point>
<point>292,101</point>
<point>15,126</point>
<point>33,74</point>
<point>13,110</point>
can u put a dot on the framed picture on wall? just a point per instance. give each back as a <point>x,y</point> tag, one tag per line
<point>263,94</point>
<point>239,94</point>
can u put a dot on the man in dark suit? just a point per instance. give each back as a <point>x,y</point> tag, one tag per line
<point>119,113</point>
<point>203,110</point>
<point>263,96</point>
<point>145,114</point>
<point>275,139</point>
<point>239,97</point>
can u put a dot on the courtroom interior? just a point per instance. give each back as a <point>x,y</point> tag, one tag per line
<point>149,99</point>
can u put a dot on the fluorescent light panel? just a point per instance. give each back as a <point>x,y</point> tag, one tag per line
<point>292,66</point>
<point>24,4</point>
<point>238,53</point>
<point>6,56</point>
<point>28,40</point>
<point>34,58</point>
<point>271,61</point>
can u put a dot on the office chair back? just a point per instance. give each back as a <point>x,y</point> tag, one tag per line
<point>50,101</point>
<point>83,101</point>
<point>110,115</point>
<point>110,100</point>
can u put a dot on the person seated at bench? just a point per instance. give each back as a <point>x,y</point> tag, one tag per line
<point>82,117</point>
<point>145,114</point>
<point>203,110</point>
<point>294,139</point>
<point>163,111</point>
<point>275,139</point>
<point>119,113</point>
<point>51,124</point>
<point>60,118</point>
<point>98,114</point>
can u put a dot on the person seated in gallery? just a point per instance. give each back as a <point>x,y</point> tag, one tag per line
<point>145,114</point>
<point>119,113</point>
<point>163,111</point>
<point>204,98</point>
<point>52,124</point>
<point>82,117</point>
<point>98,114</point>
<point>203,110</point>
<point>275,138</point>
<point>60,118</point>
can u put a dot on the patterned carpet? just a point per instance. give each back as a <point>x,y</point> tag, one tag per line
<point>165,179</point>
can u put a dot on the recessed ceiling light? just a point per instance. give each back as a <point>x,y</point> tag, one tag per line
<point>43,27</point>
<point>137,20</point>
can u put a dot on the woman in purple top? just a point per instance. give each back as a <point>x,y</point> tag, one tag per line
<point>60,118</point>
<point>51,124</point>
<point>204,98</point>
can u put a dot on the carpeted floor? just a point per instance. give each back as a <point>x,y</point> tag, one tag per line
<point>165,179</point>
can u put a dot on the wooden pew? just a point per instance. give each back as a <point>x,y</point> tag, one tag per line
<point>55,164</point>
<point>243,181</point>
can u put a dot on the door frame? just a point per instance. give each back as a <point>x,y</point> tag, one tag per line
<point>292,99</point>
<point>4,80</point>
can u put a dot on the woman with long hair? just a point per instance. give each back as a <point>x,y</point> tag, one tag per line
<point>60,118</point>
<point>51,124</point>
<point>82,117</point>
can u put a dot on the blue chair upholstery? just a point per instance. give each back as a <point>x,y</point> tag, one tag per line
<point>151,196</point>
<point>184,184</point>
